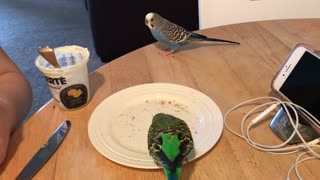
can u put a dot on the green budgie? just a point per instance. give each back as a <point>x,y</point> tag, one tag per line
<point>172,34</point>
<point>169,142</point>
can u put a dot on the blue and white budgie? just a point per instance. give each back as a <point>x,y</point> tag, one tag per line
<point>172,34</point>
<point>169,142</point>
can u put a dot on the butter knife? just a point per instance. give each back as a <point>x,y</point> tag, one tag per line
<point>45,152</point>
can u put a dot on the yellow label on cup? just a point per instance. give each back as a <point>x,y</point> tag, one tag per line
<point>74,96</point>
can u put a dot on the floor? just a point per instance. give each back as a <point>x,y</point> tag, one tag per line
<point>27,24</point>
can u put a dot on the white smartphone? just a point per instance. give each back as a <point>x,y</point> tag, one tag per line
<point>298,81</point>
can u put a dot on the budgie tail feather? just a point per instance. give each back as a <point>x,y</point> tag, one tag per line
<point>199,37</point>
<point>172,175</point>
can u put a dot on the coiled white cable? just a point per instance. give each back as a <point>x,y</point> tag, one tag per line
<point>282,148</point>
<point>295,165</point>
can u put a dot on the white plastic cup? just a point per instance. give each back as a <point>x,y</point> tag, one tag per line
<point>69,85</point>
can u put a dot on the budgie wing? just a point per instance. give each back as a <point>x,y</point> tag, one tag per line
<point>174,33</point>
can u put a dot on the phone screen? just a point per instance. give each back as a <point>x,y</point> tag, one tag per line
<point>302,86</point>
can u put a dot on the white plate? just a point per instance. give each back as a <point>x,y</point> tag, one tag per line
<point>118,127</point>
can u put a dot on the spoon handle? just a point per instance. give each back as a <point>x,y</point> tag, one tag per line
<point>48,53</point>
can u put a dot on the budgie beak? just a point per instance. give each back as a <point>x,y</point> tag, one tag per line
<point>147,22</point>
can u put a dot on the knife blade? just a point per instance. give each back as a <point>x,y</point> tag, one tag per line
<point>45,152</point>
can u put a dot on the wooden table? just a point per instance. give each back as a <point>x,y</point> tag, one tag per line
<point>229,74</point>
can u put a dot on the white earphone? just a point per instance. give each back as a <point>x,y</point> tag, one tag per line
<point>283,148</point>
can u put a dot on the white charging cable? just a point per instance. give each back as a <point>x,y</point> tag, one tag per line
<point>295,165</point>
<point>282,148</point>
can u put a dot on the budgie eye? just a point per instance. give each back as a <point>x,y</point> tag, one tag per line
<point>157,147</point>
<point>151,20</point>
<point>186,142</point>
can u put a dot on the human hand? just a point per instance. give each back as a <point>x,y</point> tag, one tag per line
<point>4,140</point>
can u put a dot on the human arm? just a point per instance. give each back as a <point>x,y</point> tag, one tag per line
<point>15,99</point>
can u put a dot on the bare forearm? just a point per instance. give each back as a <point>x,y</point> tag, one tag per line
<point>15,98</point>
<point>15,91</point>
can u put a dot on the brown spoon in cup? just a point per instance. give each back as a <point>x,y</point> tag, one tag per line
<point>48,54</point>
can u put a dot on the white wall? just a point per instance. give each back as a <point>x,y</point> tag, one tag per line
<point>222,12</point>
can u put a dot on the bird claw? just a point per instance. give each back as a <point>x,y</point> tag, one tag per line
<point>168,52</point>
